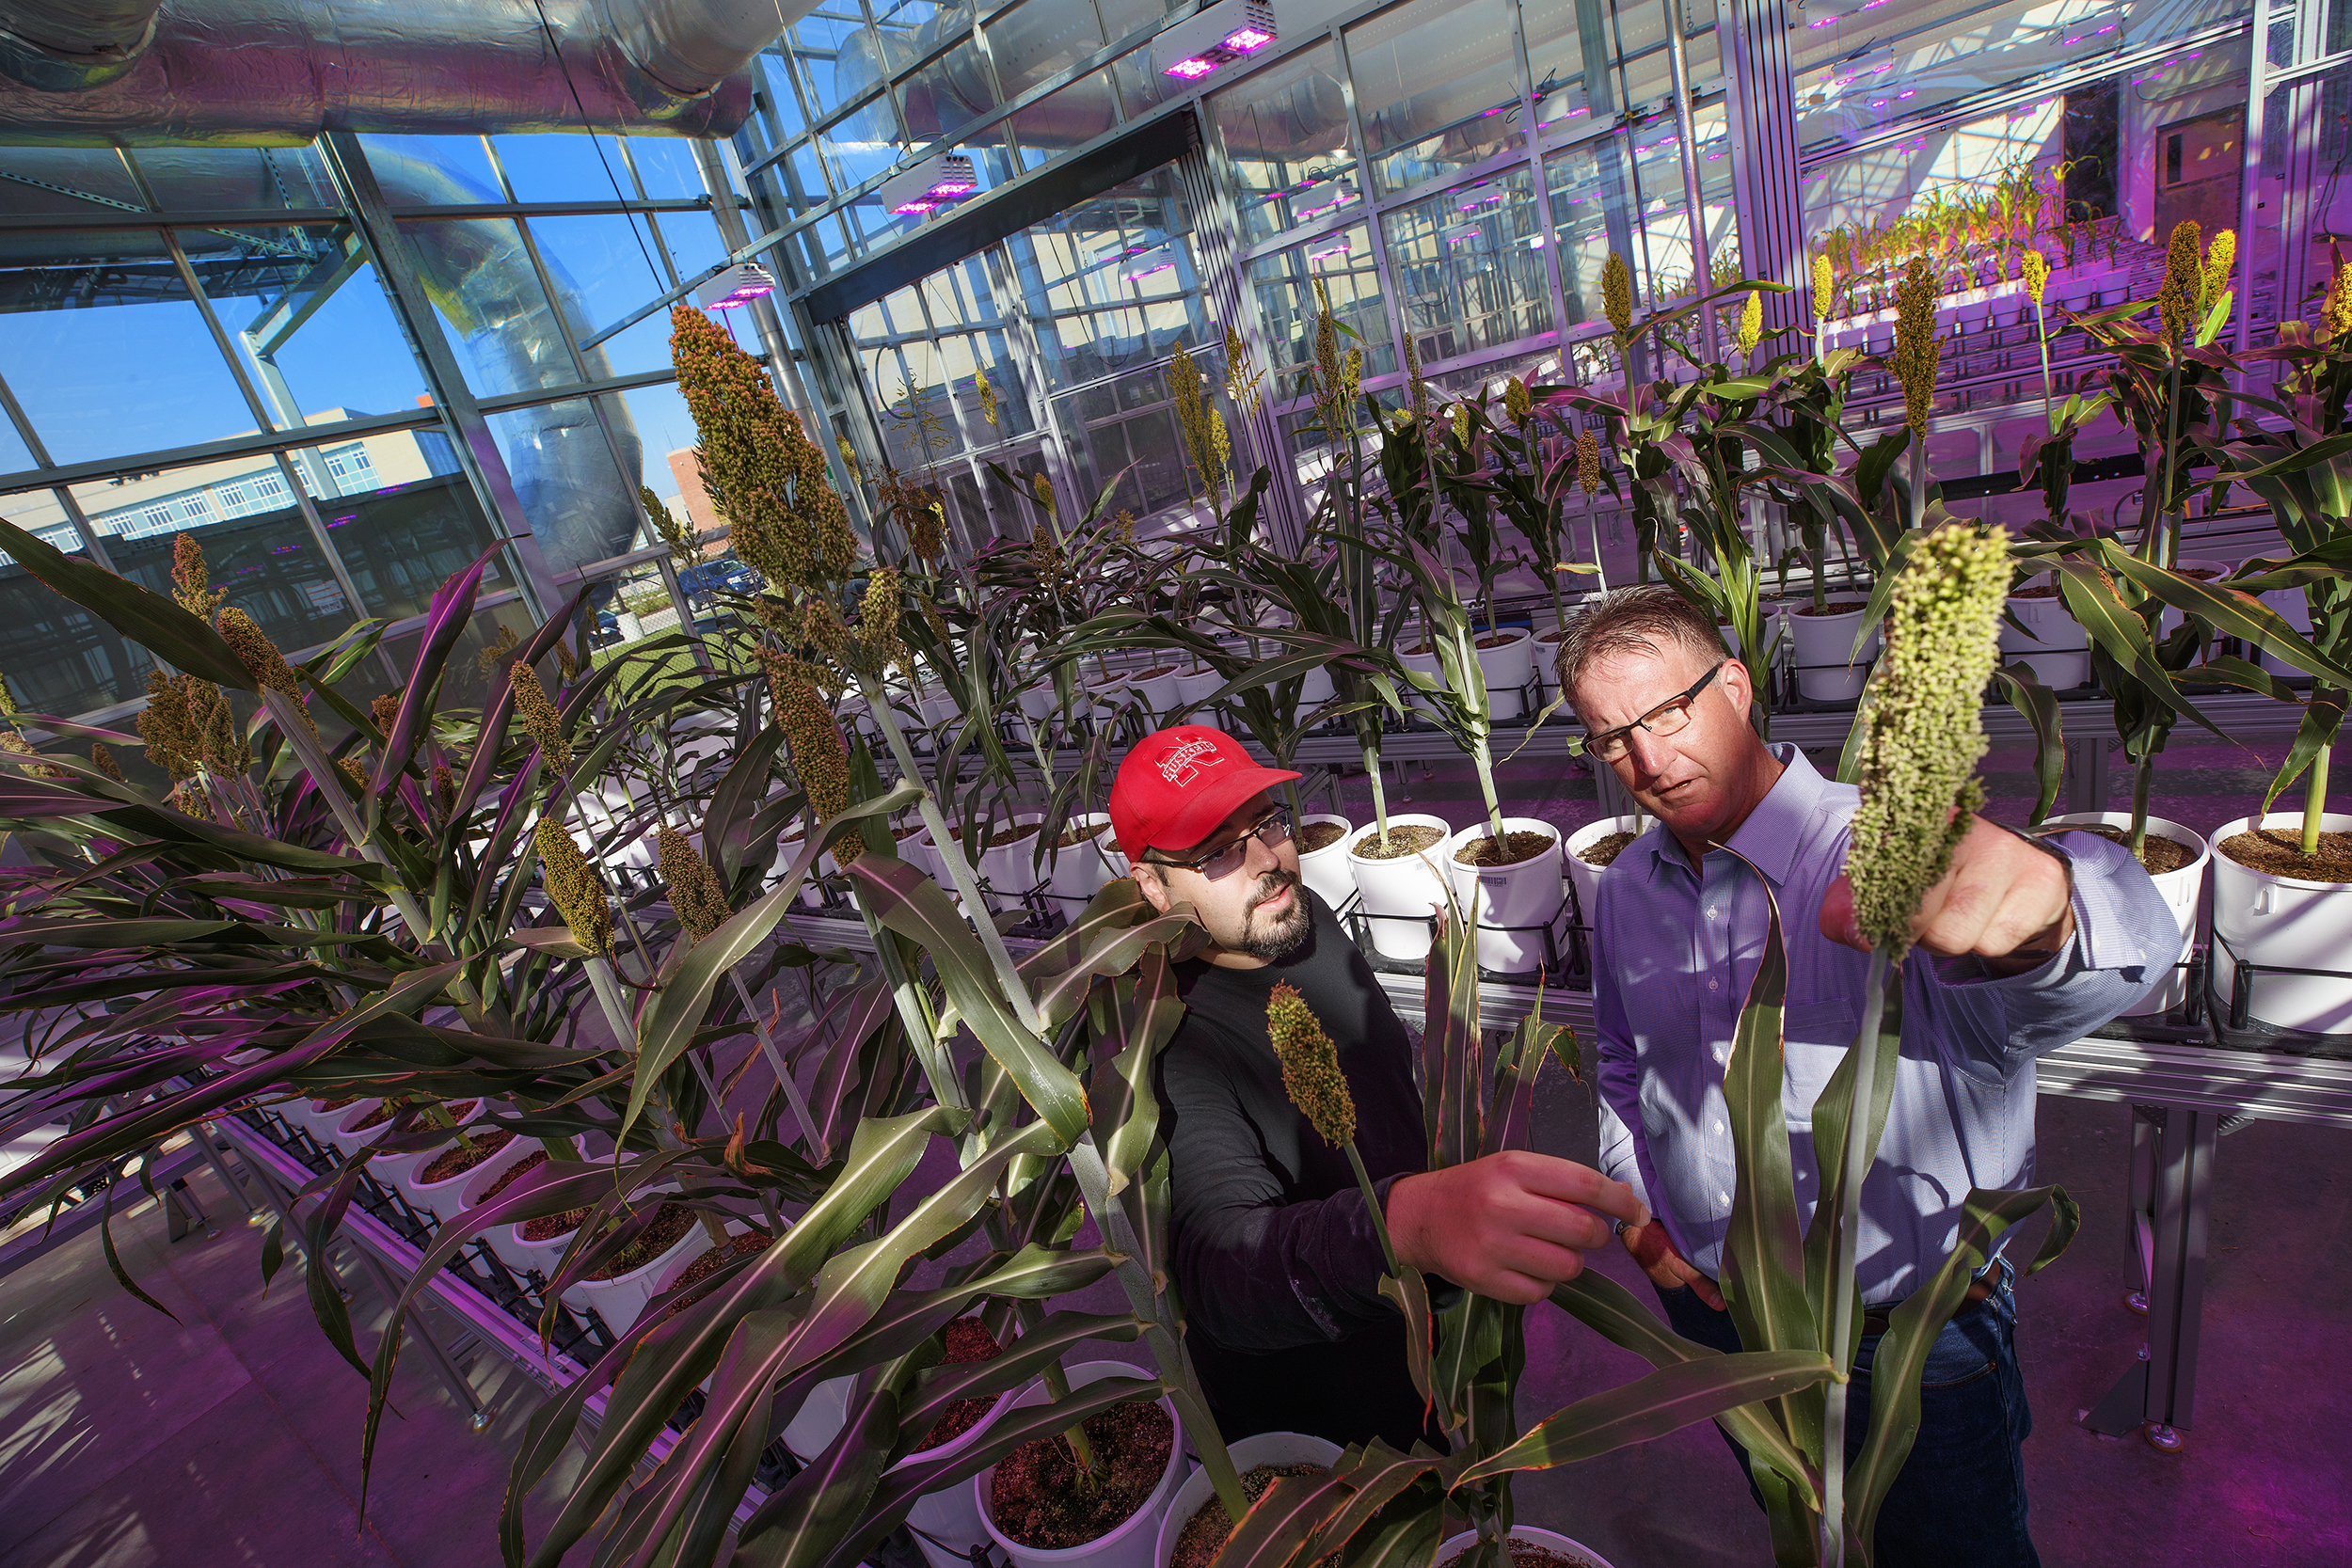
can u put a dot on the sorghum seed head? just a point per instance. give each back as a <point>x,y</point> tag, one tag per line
<point>988,395</point>
<point>1751,324</point>
<point>261,660</point>
<point>1616,292</point>
<point>818,754</point>
<point>1917,349</point>
<point>695,895</point>
<point>2220,260</point>
<point>11,741</point>
<point>573,888</point>
<point>539,717</point>
<point>1588,462</point>
<point>385,710</point>
<point>190,581</point>
<point>168,727</point>
<point>104,762</point>
<point>1517,401</point>
<point>1924,732</point>
<point>1824,286</point>
<point>1310,1065</point>
<point>2177,297</point>
<point>2037,274</point>
<point>2336,316</point>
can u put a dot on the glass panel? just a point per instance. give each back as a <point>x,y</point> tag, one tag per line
<point>59,658</point>
<point>803,183</point>
<point>1073,116</point>
<point>1285,132</point>
<point>402,540</point>
<point>1285,285</point>
<point>909,29</point>
<point>15,457</point>
<point>691,240</point>
<point>459,163</point>
<point>1129,424</point>
<point>259,178</point>
<point>665,165</point>
<point>125,362</point>
<point>323,344</point>
<point>1555,60</point>
<point>488,298</point>
<point>860,145</point>
<point>578,507</point>
<point>604,268</point>
<point>568,167</point>
<point>1113,282</point>
<point>256,543</point>
<point>1855,71</point>
<point>782,96</point>
<point>1435,88</point>
<point>835,54</point>
<point>657,420</point>
<point>472,672</point>
<point>1469,265</point>
<point>1040,39</point>
<point>1604,201</point>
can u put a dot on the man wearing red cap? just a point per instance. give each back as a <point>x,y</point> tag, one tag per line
<point>1275,1256</point>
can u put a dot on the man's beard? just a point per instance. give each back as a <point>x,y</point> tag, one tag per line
<point>1279,935</point>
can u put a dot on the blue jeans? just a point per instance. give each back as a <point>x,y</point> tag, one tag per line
<point>1959,1498</point>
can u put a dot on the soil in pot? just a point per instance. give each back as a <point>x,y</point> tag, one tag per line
<point>1516,848</point>
<point>377,1118</point>
<point>515,1172</point>
<point>1605,848</point>
<point>968,1340</point>
<point>320,1107</point>
<point>1411,839</point>
<point>669,1226</point>
<point>1836,606</point>
<point>1154,673</point>
<point>1072,837</point>
<point>1497,638</point>
<point>547,1227</point>
<point>1036,1496</point>
<point>2279,853</point>
<point>1523,1555</point>
<point>2156,855</point>
<point>709,1263</point>
<point>458,1161</point>
<point>1210,1526</point>
<point>1319,836</point>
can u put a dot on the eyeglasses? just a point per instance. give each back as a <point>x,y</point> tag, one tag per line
<point>1668,718</point>
<point>1273,829</point>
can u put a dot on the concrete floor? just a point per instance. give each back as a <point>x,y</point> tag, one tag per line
<point>233,1436</point>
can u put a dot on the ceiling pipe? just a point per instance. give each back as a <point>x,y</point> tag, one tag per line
<point>72,46</point>
<point>281,72</point>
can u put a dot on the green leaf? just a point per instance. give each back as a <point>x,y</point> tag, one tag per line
<point>1829,1257</point>
<point>2321,720</point>
<point>1410,1291</point>
<point>1279,1522</point>
<point>1661,1402</point>
<point>2231,612</point>
<point>147,618</point>
<point>2039,707</point>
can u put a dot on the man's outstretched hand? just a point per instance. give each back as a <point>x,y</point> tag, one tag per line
<point>1510,1225</point>
<point>2002,897</point>
<point>1668,1268</point>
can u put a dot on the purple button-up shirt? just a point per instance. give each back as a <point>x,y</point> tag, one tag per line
<point>1677,949</point>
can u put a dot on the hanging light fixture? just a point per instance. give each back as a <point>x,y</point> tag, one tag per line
<point>937,182</point>
<point>1214,36</point>
<point>732,287</point>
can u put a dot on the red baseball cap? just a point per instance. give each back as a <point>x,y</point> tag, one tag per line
<point>1176,786</point>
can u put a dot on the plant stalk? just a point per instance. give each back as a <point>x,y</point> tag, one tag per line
<point>2315,801</point>
<point>2143,774</point>
<point>1849,1224</point>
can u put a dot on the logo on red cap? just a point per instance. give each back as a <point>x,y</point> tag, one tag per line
<point>1176,764</point>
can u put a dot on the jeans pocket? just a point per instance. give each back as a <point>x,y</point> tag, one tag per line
<point>1960,1378</point>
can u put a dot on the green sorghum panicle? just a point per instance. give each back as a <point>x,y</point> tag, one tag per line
<point>1310,1065</point>
<point>695,895</point>
<point>2176,299</point>
<point>1587,462</point>
<point>1517,401</point>
<point>1751,324</point>
<point>385,710</point>
<point>538,716</point>
<point>261,660</point>
<point>191,581</point>
<point>2221,261</point>
<point>1616,292</point>
<point>2037,274</point>
<point>104,762</point>
<point>877,620</point>
<point>1925,733</point>
<point>2336,314</point>
<point>1824,286</point>
<point>573,888</point>
<point>168,726</point>
<point>819,754</point>
<point>1917,349</point>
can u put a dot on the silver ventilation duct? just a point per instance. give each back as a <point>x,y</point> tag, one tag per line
<point>479,277</point>
<point>278,73</point>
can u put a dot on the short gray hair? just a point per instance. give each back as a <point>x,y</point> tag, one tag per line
<point>1636,620</point>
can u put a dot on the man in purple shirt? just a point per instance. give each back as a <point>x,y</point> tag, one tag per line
<point>2024,946</point>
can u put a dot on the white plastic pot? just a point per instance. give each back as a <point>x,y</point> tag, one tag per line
<point>1076,872</point>
<point>1326,870</point>
<point>506,1240</point>
<point>2268,919</point>
<point>1582,873</point>
<point>1823,647</point>
<point>321,1125</point>
<point>1506,668</point>
<point>2057,648</point>
<point>1010,861</point>
<point>1399,895</point>
<point>619,1300</point>
<point>2182,889</point>
<point>1102,700</point>
<point>1525,898</point>
<point>442,1200</point>
<point>1198,686</point>
<point>1576,1552</point>
<point>820,1417</point>
<point>1547,655</point>
<point>347,1138</point>
<point>1267,1447</point>
<point>789,848</point>
<point>1128,1544</point>
<point>1107,844</point>
<point>1156,688</point>
<point>952,1513</point>
<point>545,1256</point>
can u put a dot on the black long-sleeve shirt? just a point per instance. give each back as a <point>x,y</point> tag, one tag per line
<point>1275,1254</point>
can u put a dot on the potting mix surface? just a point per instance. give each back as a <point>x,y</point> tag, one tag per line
<point>1605,848</point>
<point>1318,835</point>
<point>968,1340</point>
<point>1526,1556</point>
<point>460,1159</point>
<point>1411,839</point>
<point>2158,855</point>
<point>2280,852</point>
<point>669,1226</point>
<point>1208,1528</point>
<point>1516,847</point>
<point>513,1173</point>
<point>708,1265</point>
<point>1039,1498</point>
